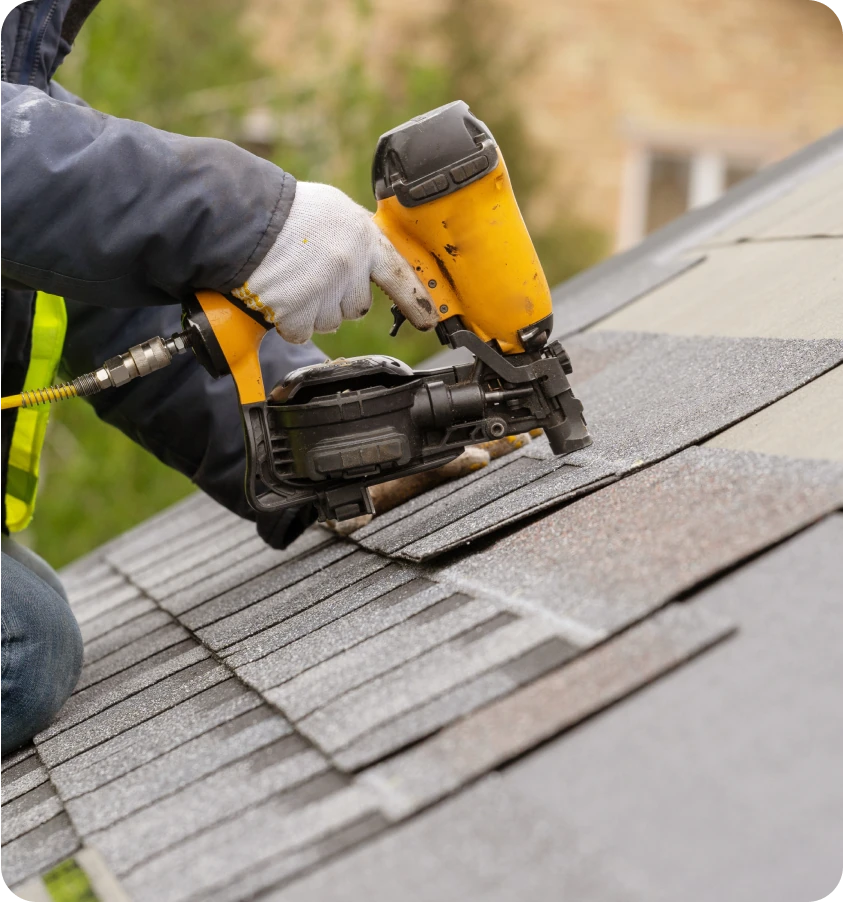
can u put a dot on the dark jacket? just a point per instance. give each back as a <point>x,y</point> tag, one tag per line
<point>125,221</point>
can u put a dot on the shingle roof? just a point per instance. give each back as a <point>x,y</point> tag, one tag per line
<point>339,720</point>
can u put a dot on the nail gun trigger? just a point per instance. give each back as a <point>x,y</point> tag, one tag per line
<point>398,320</point>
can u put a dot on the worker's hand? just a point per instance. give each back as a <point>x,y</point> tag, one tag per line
<point>317,272</point>
<point>387,495</point>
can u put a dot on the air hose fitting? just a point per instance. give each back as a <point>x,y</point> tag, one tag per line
<point>138,361</point>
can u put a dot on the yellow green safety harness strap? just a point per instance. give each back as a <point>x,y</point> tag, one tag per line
<point>48,331</point>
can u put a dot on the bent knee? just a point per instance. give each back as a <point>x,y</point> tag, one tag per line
<point>42,657</point>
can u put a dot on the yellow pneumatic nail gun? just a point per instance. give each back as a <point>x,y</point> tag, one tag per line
<point>329,431</point>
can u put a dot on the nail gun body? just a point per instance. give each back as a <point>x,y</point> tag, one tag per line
<point>328,432</point>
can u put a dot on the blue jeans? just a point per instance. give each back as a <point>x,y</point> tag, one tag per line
<point>41,645</point>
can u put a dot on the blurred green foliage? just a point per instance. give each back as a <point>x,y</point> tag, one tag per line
<point>185,67</point>
<point>67,882</point>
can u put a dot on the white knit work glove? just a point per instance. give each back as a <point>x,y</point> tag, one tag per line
<point>317,272</point>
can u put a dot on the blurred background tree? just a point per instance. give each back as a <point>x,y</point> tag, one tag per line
<point>188,67</point>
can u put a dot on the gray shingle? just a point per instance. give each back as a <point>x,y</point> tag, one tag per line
<point>179,579</point>
<point>236,787</point>
<point>812,208</point>
<point>562,485</point>
<point>264,586</point>
<point>615,556</point>
<point>374,657</point>
<point>786,290</point>
<point>646,397</point>
<point>132,631</point>
<point>88,570</point>
<point>668,794</point>
<point>466,500</point>
<point>441,670</point>
<point>102,580</point>
<point>306,622</point>
<point>131,711</point>
<point>329,640</point>
<point>169,525</point>
<point>205,587</point>
<point>110,598</point>
<point>16,757</point>
<point>38,850</point>
<point>123,686</point>
<point>29,811</point>
<point>267,875</point>
<point>178,768</point>
<point>131,654</point>
<point>814,418</point>
<point>116,617</point>
<point>166,567</point>
<point>391,517</point>
<point>218,856</point>
<point>485,844</point>
<point>198,536</point>
<point>422,721</point>
<point>157,736</point>
<point>21,777</point>
<point>512,725</point>
<point>303,594</point>
<point>586,300</point>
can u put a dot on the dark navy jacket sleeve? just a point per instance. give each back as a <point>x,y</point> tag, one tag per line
<point>117,213</point>
<point>184,417</point>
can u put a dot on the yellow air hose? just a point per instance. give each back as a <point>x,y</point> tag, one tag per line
<point>39,396</point>
<point>141,360</point>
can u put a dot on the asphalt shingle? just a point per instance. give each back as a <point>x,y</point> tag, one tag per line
<point>232,740</point>
<point>131,654</point>
<point>38,850</point>
<point>425,719</point>
<point>96,606</point>
<point>19,778</point>
<point>374,657</point>
<point>805,423</point>
<point>510,726</point>
<point>304,623</point>
<point>235,787</point>
<point>143,743</point>
<point>647,396</point>
<point>131,711</point>
<point>811,209</point>
<point>161,570</point>
<point>263,586</point>
<point>125,685</point>
<point>207,584</point>
<point>116,618</point>
<point>326,641</point>
<point>786,290</point>
<point>127,634</point>
<point>286,823</point>
<point>664,530</point>
<point>719,781</point>
<point>308,589</point>
<point>170,526</point>
<point>421,679</point>
<point>29,811</point>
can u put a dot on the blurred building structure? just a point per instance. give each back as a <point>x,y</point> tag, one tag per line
<point>645,109</point>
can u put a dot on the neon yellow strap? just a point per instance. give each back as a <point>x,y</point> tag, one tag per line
<point>48,331</point>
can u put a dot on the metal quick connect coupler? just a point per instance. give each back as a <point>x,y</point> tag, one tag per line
<point>141,360</point>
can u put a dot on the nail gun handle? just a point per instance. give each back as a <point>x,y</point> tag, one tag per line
<point>229,338</point>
